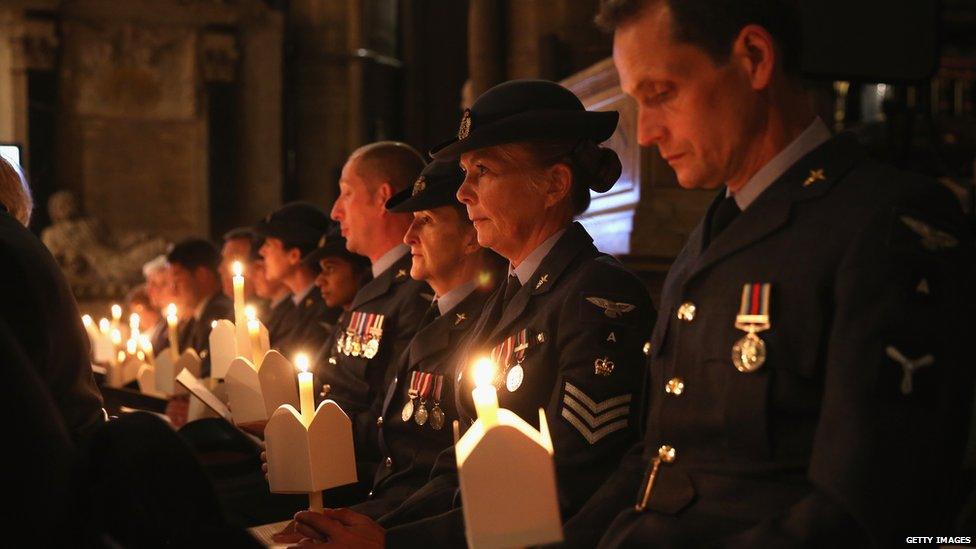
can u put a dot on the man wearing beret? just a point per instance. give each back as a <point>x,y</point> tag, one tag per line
<point>290,234</point>
<point>811,371</point>
<point>359,362</point>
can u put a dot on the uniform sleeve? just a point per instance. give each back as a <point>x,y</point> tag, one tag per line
<point>898,385</point>
<point>595,406</point>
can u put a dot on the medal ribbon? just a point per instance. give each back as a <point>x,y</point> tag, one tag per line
<point>425,384</point>
<point>754,307</point>
<point>438,386</point>
<point>522,343</point>
<point>414,383</point>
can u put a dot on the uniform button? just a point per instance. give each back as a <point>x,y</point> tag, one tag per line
<point>370,494</point>
<point>667,454</point>
<point>686,311</point>
<point>379,421</point>
<point>675,386</point>
<point>388,463</point>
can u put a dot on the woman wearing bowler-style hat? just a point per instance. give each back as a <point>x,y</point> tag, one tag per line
<point>578,318</point>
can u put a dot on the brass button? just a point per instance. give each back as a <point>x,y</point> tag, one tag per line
<point>686,311</point>
<point>675,386</point>
<point>647,349</point>
<point>388,463</point>
<point>379,421</point>
<point>370,495</point>
<point>667,454</point>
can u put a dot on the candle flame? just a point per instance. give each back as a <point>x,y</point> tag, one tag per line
<point>134,319</point>
<point>250,312</point>
<point>116,311</point>
<point>103,325</point>
<point>121,356</point>
<point>116,336</point>
<point>87,320</point>
<point>483,371</point>
<point>301,362</point>
<point>145,344</point>
<point>237,268</point>
<point>171,309</point>
<point>213,324</point>
<point>130,346</point>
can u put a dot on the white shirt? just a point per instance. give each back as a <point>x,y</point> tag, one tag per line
<point>300,296</point>
<point>530,264</point>
<point>450,300</point>
<point>815,135</point>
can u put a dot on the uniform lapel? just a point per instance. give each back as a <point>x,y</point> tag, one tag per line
<point>381,284</point>
<point>812,176</point>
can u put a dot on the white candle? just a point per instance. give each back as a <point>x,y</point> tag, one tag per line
<point>174,337</point>
<point>146,345</point>
<point>238,278</point>
<point>484,395</point>
<point>305,394</point>
<point>134,326</point>
<point>131,346</point>
<point>254,332</point>
<point>104,326</point>
<point>88,322</point>
<point>116,315</point>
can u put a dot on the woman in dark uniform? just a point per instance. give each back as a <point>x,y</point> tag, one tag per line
<point>578,318</point>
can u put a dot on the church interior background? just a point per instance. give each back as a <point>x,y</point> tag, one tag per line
<point>140,122</point>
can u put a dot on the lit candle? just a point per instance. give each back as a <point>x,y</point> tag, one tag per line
<point>239,318</point>
<point>254,331</point>
<point>484,394</point>
<point>305,394</point>
<point>104,326</point>
<point>134,326</point>
<point>174,337</point>
<point>146,345</point>
<point>87,321</point>
<point>131,346</point>
<point>116,315</point>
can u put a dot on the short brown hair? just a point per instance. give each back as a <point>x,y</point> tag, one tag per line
<point>393,162</point>
<point>713,24</point>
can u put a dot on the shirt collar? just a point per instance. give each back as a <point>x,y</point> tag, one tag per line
<point>198,312</point>
<point>450,300</point>
<point>388,259</point>
<point>815,135</point>
<point>528,266</point>
<point>300,296</point>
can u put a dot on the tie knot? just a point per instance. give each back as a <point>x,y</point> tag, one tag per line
<point>511,287</point>
<point>722,217</point>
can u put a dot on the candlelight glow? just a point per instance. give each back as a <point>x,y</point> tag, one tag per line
<point>301,362</point>
<point>213,324</point>
<point>250,312</point>
<point>121,356</point>
<point>116,337</point>
<point>237,268</point>
<point>145,344</point>
<point>116,311</point>
<point>483,371</point>
<point>103,325</point>
<point>87,321</point>
<point>134,319</point>
<point>171,309</point>
<point>130,346</point>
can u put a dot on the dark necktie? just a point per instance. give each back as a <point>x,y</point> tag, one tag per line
<point>433,312</point>
<point>511,288</point>
<point>723,215</point>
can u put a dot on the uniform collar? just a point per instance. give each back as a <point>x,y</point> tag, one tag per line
<point>202,306</point>
<point>388,259</point>
<point>280,300</point>
<point>297,298</point>
<point>449,300</point>
<point>815,135</point>
<point>531,263</point>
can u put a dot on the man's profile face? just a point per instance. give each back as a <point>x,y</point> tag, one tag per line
<point>701,115</point>
<point>277,260</point>
<point>356,208</point>
<point>185,291</point>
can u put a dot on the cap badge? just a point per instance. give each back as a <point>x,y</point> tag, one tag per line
<point>465,128</point>
<point>419,186</point>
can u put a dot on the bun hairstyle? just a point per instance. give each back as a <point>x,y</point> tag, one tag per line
<point>593,167</point>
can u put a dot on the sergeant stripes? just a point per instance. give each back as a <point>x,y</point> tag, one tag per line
<point>594,420</point>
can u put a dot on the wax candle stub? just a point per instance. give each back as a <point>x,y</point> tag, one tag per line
<point>484,395</point>
<point>306,395</point>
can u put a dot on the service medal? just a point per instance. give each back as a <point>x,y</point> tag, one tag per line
<point>749,353</point>
<point>420,416</point>
<point>436,414</point>
<point>371,348</point>
<point>513,380</point>
<point>407,411</point>
<point>374,331</point>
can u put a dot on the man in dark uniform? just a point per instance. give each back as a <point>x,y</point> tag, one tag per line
<point>341,272</point>
<point>196,285</point>
<point>810,380</point>
<point>290,234</point>
<point>240,245</point>
<point>274,293</point>
<point>567,328</point>
<point>414,423</point>
<point>42,316</point>
<point>359,362</point>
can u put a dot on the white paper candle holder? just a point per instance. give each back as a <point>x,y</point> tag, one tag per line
<point>312,458</point>
<point>254,393</point>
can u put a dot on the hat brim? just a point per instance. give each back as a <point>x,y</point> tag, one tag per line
<point>595,125</point>
<point>405,201</point>
<point>337,249</point>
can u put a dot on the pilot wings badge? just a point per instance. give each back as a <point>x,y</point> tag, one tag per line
<point>612,309</point>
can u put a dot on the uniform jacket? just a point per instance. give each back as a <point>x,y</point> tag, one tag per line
<point>42,315</point>
<point>580,308</point>
<point>412,448</point>
<point>274,319</point>
<point>359,384</point>
<point>305,327</point>
<point>197,331</point>
<point>833,440</point>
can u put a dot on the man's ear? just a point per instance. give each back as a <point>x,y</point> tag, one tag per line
<point>559,185</point>
<point>294,256</point>
<point>383,193</point>
<point>754,49</point>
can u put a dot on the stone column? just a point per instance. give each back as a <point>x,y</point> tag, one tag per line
<point>486,50</point>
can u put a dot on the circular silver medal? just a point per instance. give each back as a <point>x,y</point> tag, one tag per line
<point>437,418</point>
<point>749,353</point>
<point>420,416</point>
<point>407,412</point>
<point>513,380</point>
<point>371,348</point>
